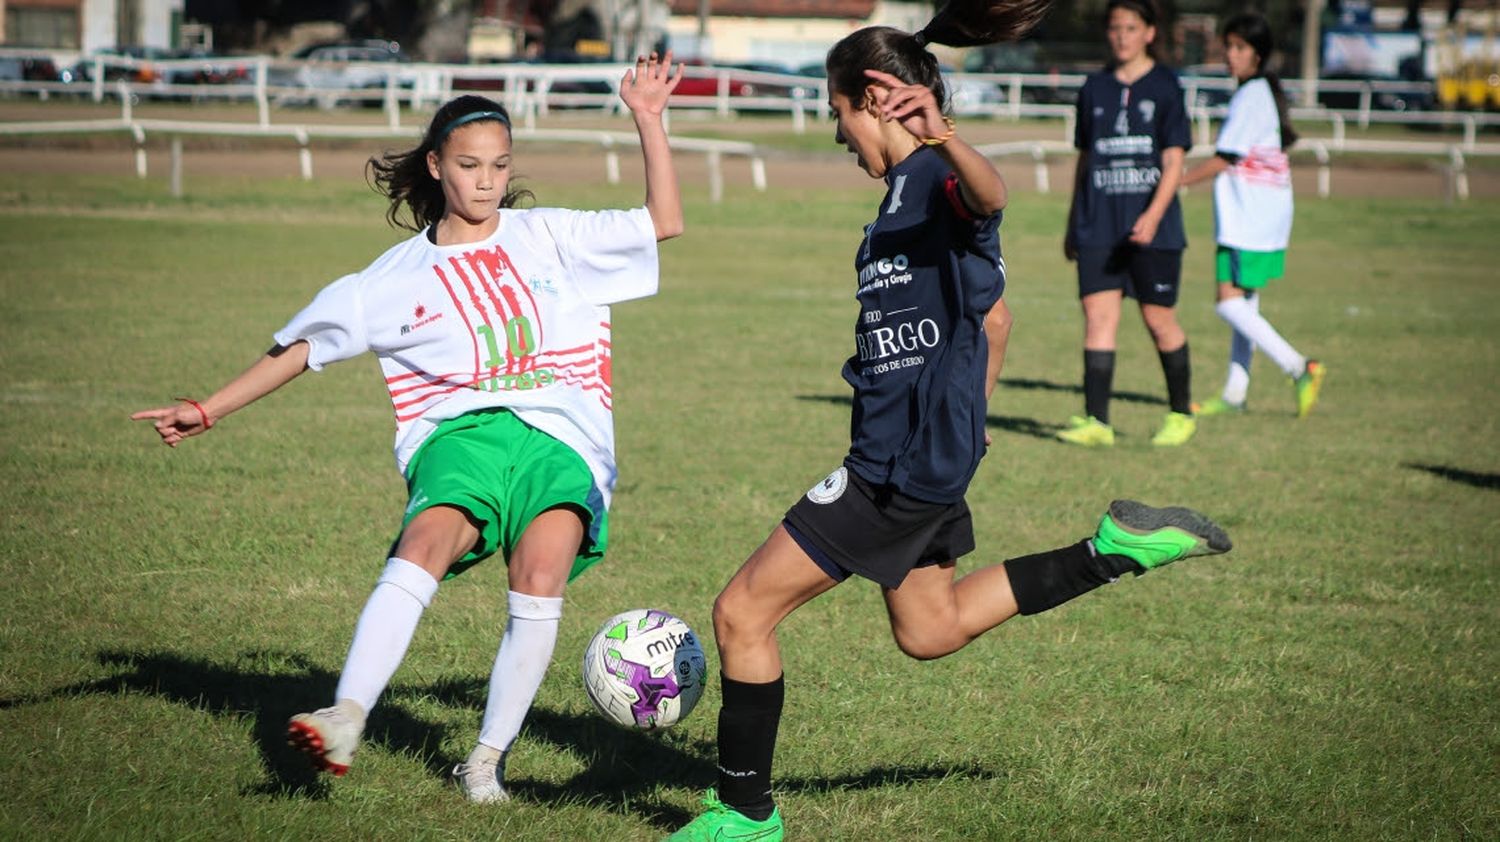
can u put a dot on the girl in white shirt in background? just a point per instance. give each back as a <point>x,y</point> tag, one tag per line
<point>1253,216</point>
<point>491,326</point>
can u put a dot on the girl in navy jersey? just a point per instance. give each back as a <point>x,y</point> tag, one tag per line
<point>1125,225</point>
<point>928,277</point>
<point>1253,216</point>
<point>491,326</point>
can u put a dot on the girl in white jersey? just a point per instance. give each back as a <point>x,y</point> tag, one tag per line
<point>492,330</point>
<point>1253,216</point>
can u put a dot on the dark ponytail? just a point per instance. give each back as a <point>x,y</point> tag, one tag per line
<point>1256,32</point>
<point>402,177</point>
<point>959,23</point>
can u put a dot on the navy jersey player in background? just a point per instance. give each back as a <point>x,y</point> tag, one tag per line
<point>1125,225</point>
<point>928,271</point>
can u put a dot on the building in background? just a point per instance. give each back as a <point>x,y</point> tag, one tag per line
<point>782,33</point>
<point>90,25</point>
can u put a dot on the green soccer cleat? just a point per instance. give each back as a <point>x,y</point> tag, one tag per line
<point>1217,406</point>
<point>722,823</point>
<point>1308,385</point>
<point>1175,430</point>
<point>1153,537</point>
<point>1088,432</point>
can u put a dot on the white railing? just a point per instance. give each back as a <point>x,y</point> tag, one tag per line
<point>534,89</point>
<point>610,142</point>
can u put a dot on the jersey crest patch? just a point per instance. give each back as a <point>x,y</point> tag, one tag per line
<point>1148,110</point>
<point>831,488</point>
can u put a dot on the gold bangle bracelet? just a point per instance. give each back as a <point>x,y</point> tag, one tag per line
<point>944,137</point>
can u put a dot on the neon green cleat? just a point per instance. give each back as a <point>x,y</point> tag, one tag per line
<point>1089,432</point>
<point>1175,430</point>
<point>723,823</point>
<point>1153,537</point>
<point>1217,406</point>
<point>1308,385</point>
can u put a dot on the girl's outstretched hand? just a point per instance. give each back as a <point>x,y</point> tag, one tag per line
<point>913,106</point>
<point>174,423</point>
<point>646,87</point>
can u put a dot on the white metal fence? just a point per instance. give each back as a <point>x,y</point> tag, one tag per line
<point>532,91</point>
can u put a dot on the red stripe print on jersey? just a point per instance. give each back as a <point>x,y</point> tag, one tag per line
<point>459,305</point>
<point>541,339</point>
<point>1265,165</point>
<point>486,267</point>
<point>432,381</point>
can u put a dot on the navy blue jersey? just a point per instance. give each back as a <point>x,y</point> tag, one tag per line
<point>928,273</point>
<point>1123,129</point>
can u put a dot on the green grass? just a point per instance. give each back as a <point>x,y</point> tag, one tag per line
<point>166,610</point>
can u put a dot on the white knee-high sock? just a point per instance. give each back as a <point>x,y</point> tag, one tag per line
<point>1241,352</point>
<point>384,631</point>
<point>525,652</point>
<point>1246,318</point>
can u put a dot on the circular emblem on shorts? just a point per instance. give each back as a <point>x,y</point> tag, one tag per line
<point>831,488</point>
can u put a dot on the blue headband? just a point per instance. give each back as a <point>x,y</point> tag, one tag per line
<point>469,118</point>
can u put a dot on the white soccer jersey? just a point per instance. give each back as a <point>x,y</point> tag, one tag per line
<point>1253,198</point>
<point>518,320</point>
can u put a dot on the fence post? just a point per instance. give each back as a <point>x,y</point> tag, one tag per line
<point>1015,96</point>
<point>715,176</point>
<point>1043,178</point>
<point>723,94</point>
<point>1458,176</point>
<point>1469,131</point>
<point>139,134</point>
<point>304,153</point>
<point>123,89</point>
<point>1205,126</point>
<point>262,101</point>
<point>758,172</point>
<point>392,107</point>
<point>1325,172</point>
<point>611,161</point>
<point>1338,130</point>
<point>799,117</point>
<point>98,79</point>
<point>1366,94</point>
<point>176,176</point>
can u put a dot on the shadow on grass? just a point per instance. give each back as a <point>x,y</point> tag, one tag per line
<point>623,768</point>
<point>1030,385</point>
<point>1474,478</point>
<point>1009,423</point>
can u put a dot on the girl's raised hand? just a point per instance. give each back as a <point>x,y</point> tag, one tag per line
<point>174,423</point>
<point>913,106</point>
<point>646,87</point>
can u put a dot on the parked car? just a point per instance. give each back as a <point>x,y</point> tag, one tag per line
<point>38,68</point>
<point>331,74</point>
<point>1393,94</point>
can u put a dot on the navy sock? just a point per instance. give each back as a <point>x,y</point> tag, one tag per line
<point>1047,580</point>
<point>748,721</point>
<point>1179,372</point>
<point>1098,381</point>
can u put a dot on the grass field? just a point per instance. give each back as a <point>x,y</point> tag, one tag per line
<point>1336,676</point>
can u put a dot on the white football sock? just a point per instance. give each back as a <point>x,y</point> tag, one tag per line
<point>525,652</point>
<point>384,631</point>
<point>1246,319</point>
<point>1241,352</point>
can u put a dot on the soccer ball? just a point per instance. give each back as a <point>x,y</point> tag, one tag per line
<point>644,669</point>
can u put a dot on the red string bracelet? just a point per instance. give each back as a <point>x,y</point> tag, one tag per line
<point>207,424</point>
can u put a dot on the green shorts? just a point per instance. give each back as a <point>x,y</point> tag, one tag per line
<point>1249,269</point>
<point>504,473</point>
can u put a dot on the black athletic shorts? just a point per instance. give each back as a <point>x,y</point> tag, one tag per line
<point>1150,276</point>
<point>849,526</point>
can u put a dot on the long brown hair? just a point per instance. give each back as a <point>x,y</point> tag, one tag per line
<point>402,177</point>
<point>959,23</point>
<point>1257,33</point>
